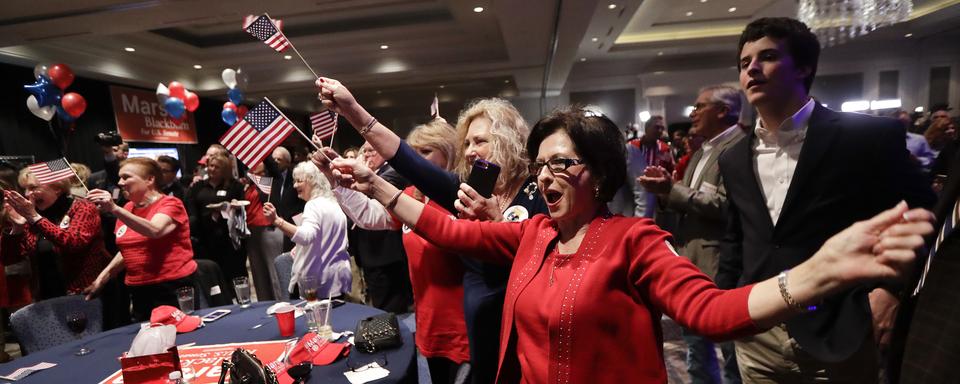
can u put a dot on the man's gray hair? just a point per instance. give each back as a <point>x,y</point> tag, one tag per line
<point>726,95</point>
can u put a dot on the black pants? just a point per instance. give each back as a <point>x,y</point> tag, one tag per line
<point>147,297</point>
<point>443,370</point>
<point>388,287</point>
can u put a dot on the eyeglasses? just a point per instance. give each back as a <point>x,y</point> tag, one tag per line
<point>555,165</point>
<point>701,106</point>
<point>360,367</point>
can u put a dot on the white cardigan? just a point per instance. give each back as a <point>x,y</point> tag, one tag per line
<point>321,240</point>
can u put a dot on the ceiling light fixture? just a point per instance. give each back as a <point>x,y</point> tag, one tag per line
<point>478,9</point>
<point>689,13</point>
<point>442,86</point>
<point>703,1</point>
<point>506,81</point>
<point>612,6</point>
<point>732,9</point>
<point>594,39</point>
<point>384,46</point>
<point>660,53</point>
<point>130,49</point>
<point>287,57</point>
<point>583,59</point>
<point>908,35</point>
<point>197,66</point>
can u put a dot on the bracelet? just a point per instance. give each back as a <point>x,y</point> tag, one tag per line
<point>369,126</point>
<point>793,304</point>
<point>393,200</point>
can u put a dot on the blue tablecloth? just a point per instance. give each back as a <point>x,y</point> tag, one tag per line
<point>235,327</point>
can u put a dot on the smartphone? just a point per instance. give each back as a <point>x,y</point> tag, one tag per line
<point>483,177</point>
<point>215,315</point>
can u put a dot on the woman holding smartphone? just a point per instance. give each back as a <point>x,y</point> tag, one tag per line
<point>488,129</point>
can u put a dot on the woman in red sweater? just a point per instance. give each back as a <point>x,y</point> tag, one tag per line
<point>587,289</point>
<point>153,235</point>
<point>59,234</point>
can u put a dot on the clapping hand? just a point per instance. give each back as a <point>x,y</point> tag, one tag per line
<point>656,179</point>
<point>102,199</point>
<point>21,209</point>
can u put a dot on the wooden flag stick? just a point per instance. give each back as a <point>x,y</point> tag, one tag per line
<point>292,46</point>
<point>295,128</point>
<point>76,175</point>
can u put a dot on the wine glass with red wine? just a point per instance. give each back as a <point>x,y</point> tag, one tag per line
<point>77,323</point>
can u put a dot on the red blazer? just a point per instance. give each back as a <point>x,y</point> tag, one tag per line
<point>78,240</point>
<point>607,329</point>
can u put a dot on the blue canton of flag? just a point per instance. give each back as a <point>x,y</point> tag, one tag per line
<point>257,134</point>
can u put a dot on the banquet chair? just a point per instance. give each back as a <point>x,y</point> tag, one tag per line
<point>213,289</point>
<point>43,324</point>
<point>284,266</point>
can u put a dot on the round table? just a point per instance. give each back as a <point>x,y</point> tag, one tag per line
<point>238,326</point>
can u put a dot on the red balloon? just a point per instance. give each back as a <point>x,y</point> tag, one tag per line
<point>241,111</point>
<point>230,105</point>
<point>191,101</point>
<point>60,75</point>
<point>177,90</point>
<point>74,104</point>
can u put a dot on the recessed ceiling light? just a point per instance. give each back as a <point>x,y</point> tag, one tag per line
<point>689,13</point>
<point>703,1</point>
<point>660,53</point>
<point>379,91</point>
<point>594,39</point>
<point>384,46</point>
<point>442,86</point>
<point>658,73</point>
<point>506,81</point>
<point>612,6</point>
<point>908,35</point>
<point>197,66</point>
<point>478,9</point>
<point>732,9</point>
<point>130,49</point>
<point>287,57</point>
<point>583,59</point>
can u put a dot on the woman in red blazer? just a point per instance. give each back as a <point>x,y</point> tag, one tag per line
<point>587,289</point>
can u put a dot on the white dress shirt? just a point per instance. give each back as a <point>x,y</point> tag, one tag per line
<point>708,147</point>
<point>777,153</point>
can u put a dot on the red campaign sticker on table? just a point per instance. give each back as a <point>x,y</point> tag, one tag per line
<point>205,359</point>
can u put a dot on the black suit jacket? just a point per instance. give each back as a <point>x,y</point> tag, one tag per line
<point>932,327</point>
<point>375,249</point>
<point>283,196</point>
<point>851,167</point>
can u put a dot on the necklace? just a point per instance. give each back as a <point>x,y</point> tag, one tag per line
<point>149,200</point>
<point>558,261</point>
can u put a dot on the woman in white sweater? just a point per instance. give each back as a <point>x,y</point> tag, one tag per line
<point>320,237</point>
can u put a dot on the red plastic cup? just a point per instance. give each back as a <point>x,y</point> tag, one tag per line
<point>285,320</point>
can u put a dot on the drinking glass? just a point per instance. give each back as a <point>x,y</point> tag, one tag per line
<point>185,299</point>
<point>308,288</point>
<point>242,286</point>
<point>77,323</point>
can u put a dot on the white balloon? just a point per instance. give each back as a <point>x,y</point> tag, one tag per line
<point>229,77</point>
<point>162,94</point>
<point>40,69</point>
<point>45,113</point>
<point>243,79</point>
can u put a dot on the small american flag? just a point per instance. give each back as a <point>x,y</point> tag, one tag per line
<point>257,134</point>
<point>264,30</point>
<point>249,19</point>
<point>50,171</point>
<point>324,124</point>
<point>435,107</point>
<point>262,182</point>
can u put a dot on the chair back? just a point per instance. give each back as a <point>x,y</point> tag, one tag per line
<point>212,287</point>
<point>43,324</point>
<point>284,266</point>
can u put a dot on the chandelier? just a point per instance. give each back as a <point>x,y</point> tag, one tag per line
<point>836,21</point>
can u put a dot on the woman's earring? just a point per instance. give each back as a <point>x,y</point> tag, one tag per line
<point>596,191</point>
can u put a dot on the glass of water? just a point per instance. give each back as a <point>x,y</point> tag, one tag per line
<point>242,286</point>
<point>185,299</point>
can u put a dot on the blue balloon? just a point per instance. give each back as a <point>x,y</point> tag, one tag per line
<point>63,115</point>
<point>236,96</point>
<point>229,116</point>
<point>175,107</point>
<point>46,92</point>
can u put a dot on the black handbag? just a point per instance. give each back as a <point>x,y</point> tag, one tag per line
<point>245,368</point>
<point>377,333</point>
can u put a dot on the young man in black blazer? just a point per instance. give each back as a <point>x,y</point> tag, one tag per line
<point>804,173</point>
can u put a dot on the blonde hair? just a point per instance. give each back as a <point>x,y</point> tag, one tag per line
<point>509,132</point>
<point>320,187</point>
<point>82,171</point>
<point>437,134</point>
<point>62,186</point>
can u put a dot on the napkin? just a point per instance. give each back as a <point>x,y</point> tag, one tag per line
<point>152,340</point>
<point>25,371</point>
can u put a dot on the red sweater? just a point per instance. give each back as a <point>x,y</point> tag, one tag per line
<point>77,239</point>
<point>605,327</point>
<point>151,261</point>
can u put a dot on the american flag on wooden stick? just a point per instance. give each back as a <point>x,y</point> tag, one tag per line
<point>324,124</point>
<point>264,183</point>
<point>257,134</point>
<point>435,107</point>
<point>50,171</point>
<point>264,30</point>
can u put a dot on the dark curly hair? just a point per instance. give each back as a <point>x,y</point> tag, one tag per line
<point>801,43</point>
<point>598,141</point>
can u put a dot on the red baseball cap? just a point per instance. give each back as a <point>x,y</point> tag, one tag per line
<point>169,315</point>
<point>317,350</point>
